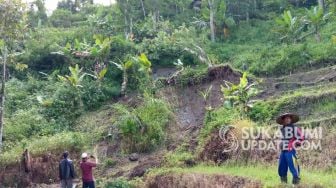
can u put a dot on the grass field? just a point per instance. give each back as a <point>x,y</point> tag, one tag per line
<point>266,174</point>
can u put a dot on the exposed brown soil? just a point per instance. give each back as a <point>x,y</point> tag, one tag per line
<point>43,170</point>
<point>190,106</point>
<point>201,181</point>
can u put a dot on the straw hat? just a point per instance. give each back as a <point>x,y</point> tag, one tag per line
<point>295,118</point>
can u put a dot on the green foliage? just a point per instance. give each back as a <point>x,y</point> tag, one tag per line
<point>118,183</point>
<point>109,163</point>
<point>214,119</point>
<point>41,145</point>
<point>177,159</point>
<point>166,48</point>
<point>64,18</point>
<point>26,124</point>
<point>240,95</point>
<point>191,76</point>
<point>289,27</point>
<point>142,128</point>
<point>263,112</point>
<point>316,18</point>
<point>75,78</point>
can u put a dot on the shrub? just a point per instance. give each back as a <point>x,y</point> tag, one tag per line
<point>142,128</point>
<point>109,163</point>
<point>57,143</point>
<point>214,120</point>
<point>94,94</point>
<point>177,159</point>
<point>118,183</point>
<point>25,124</point>
<point>65,107</point>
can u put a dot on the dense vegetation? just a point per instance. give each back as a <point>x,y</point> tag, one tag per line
<point>83,58</point>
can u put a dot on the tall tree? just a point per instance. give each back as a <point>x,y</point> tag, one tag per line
<point>212,20</point>
<point>11,25</point>
<point>215,14</point>
<point>321,4</point>
<point>37,17</point>
<point>132,12</point>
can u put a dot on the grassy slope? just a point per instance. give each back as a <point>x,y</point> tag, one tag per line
<point>266,174</point>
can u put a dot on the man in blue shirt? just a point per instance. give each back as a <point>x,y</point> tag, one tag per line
<point>291,139</point>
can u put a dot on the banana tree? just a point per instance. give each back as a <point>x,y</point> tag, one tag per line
<point>97,52</point>
<point>75,78</point>
<point>289,27</point>
<point>124,67</point>
<point>316,18</point>
<point>240,94</point>
<point>142,61</point>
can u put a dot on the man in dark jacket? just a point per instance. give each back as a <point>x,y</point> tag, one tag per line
<point>66,171</point>
<point>291,139</point>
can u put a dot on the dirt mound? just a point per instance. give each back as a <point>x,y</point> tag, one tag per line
<point>188,101</point>
<point>201,181</point>
<point>42,170</point>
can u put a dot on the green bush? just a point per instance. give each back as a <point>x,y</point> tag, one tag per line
<point>214,119</point>
<point>109,163</point>
<point>167,47</point>
<point>94,94</point>
<point>118,183</point>
<point>57,143</point>
<point>64,108</point>
<point>142,128</point>
<point>177,159</point>
<point>24,124</point>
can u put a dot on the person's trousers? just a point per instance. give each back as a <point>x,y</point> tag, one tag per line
<point>288,160</point>
<point>66,183</point>
<point>90,184</point>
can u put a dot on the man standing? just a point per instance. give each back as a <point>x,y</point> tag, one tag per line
<point>66,171</point>
<point>86,166</point>
<point>291,139</point>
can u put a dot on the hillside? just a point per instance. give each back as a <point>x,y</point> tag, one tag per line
<point>162,92</point>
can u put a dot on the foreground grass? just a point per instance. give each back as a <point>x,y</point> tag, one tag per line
<point>266,174</point>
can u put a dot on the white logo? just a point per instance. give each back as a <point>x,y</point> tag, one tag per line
<point>230,140</point>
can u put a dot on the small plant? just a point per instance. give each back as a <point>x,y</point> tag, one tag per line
<point>75,78</point>
<point>206,94</point>
<point>109,163</point>
<point>142,128</point>
<point>240,95</point>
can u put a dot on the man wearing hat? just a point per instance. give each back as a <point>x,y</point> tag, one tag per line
<point>87,166</point>
<point>291,139</point>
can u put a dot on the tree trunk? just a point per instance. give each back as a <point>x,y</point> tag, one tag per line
<point>2,97</point>
<point>143,8</point>
<point>124,83</point>
<point>322,4</point>
<point>317,34</point>
<point>126,23</point>
<point>212,21</point>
